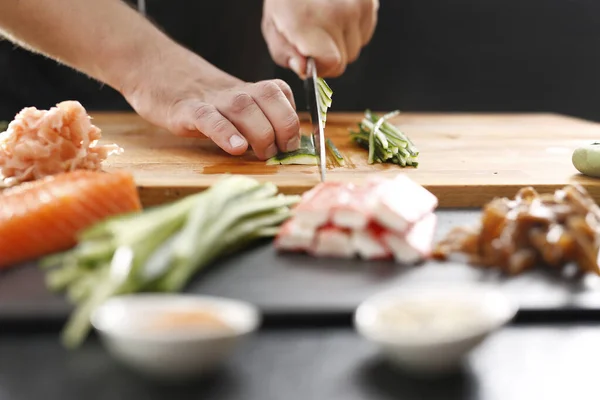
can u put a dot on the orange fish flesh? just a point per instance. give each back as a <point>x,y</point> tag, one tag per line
<point>42,217</point>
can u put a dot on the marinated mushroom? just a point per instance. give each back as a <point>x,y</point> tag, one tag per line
<point>532,229</point>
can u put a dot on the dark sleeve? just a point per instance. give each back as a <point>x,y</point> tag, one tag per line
<point>226,33</point>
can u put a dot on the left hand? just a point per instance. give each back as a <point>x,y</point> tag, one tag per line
<point>333,32</point>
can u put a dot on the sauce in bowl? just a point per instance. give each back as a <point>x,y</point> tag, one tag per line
<point>430,319</point>
<point>189,320</point>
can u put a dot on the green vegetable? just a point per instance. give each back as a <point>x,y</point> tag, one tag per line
<point>335,153</point>
<point>162,248</point>
<point>3,126</point>
<point>306,154</point>
<point>325,101</point>
<point>586,160</point>
<point>298,157</point>
<point>384,141</point>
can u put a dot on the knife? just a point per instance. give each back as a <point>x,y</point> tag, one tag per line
<point>314,107</point>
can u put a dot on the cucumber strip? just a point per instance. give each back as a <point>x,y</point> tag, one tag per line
<point>298,157</point>
<point>324,97</point>
<point>371,158</point>
<point>325,87</point>
<point>384,141</point>
<point>337,156</point>
<point>305,155</point>
<point>325,101</point>
<point>306,142</point>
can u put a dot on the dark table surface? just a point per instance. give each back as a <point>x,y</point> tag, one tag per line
<point>317,359</point>
<point>282,284</point>
<point>518,363</point>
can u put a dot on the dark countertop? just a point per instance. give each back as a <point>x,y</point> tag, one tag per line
<point>281,284</point>
<point>518,363</point>
<point>526,362</point>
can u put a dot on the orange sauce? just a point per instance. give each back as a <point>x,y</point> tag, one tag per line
<point>190,320</point>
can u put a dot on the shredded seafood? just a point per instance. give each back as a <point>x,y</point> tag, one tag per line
<point>40,143</point>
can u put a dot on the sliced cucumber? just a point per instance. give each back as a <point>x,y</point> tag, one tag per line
<point>384,141</point>
<point>325,101</point>
<point>325,88</point>
<point>335,153</point>
<point>298,157</point>
<point>306,142</point>
<point>305,155</point>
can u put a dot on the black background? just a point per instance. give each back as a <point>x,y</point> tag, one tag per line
<point>427,55</point>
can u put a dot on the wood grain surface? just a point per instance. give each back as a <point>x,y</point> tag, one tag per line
<point>465,160</point>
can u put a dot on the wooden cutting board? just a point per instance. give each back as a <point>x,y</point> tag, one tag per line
<point>465,160</point>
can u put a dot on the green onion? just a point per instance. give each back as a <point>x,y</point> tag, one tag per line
<point>162,248</point>
<point>384,141</point>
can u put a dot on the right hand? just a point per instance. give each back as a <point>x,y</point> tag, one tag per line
<point>190,97</point>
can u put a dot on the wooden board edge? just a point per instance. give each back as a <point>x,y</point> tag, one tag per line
<point>450,196</point>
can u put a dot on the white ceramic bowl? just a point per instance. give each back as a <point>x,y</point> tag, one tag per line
<point>122,323</point>
<point>460,318</point>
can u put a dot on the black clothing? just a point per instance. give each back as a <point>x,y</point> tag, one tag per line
<point>427,55</point>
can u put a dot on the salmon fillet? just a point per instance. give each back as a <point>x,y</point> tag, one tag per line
<point>44,216</point>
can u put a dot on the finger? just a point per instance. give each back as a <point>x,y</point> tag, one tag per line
<point>340,41</point>
<point>368,21</point>
<point>282,51</point>
<point>287,91</point>
<point>329,53</point>
<point>275,105</point>
<point>353,39</point>
<point>241,109</point>
<point>209,121</point>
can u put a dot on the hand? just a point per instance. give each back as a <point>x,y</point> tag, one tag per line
<point>190,97</point>
<point>333,32</point>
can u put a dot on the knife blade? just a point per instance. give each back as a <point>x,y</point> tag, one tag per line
<point>314,108</point>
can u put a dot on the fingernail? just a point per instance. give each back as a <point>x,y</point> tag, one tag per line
<point>293,144</point>
<point>295,66</point>
<point>271,151</point>
<point>236,141</point>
